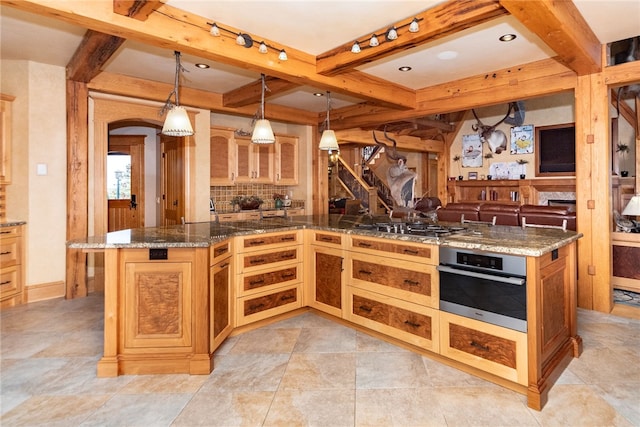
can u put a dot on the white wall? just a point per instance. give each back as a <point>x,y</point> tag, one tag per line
<point>39,136</point>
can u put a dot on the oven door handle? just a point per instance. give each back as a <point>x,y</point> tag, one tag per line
<point>510,280</point>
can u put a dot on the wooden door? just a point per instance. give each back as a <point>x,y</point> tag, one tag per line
<point>173,180</point>
<point>125,182</point>
<point>286,160</point>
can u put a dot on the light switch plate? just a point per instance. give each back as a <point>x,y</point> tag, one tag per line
<point>41,169</point>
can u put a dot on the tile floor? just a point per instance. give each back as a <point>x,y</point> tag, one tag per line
<point>306,370</point>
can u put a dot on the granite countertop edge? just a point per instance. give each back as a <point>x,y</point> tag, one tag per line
<point>502,239</point>
<point>11,223</point>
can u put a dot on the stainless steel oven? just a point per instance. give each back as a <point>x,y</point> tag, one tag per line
<point>484,286</point>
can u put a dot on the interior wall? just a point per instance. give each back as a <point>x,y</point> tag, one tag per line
<point>549,110</point>
<point>39,137</point>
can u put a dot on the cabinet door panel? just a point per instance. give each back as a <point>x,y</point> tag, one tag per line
<point>328,281</point>
<point>263,280</point>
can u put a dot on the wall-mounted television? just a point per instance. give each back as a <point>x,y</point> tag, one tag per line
<point>555,148</point>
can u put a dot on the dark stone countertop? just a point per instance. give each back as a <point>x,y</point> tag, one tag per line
<point>502,239</point>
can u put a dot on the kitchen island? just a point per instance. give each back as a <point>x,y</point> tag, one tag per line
<point>173,294</point>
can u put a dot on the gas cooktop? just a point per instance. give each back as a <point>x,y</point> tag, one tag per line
<point>413,228</point>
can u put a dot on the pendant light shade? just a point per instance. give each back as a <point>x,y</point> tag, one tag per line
<point>262,132</point>
<point>177,121</point>
<point>328,141</point>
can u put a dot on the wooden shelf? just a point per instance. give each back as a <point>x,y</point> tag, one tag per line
<point>507,191</point>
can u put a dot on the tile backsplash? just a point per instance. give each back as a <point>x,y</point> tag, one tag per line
<point>222,195</point>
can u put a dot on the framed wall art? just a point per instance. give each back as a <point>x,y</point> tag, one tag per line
<point>471,151</point>
<point>522,139</point>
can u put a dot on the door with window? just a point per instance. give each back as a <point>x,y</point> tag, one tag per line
<point>125,182</point>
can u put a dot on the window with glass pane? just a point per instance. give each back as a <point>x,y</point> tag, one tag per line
<point>118,176</point>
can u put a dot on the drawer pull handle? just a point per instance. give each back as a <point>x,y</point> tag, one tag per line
<point>225,265</point>
<point>364,244</point>
<point>287,256</point>
<point>256,242</point>
<point>5,232</point>
<point>286,297</point>
<point>411,282</point>
<point>411,251</point>
<point>365,272</point>
<point>287,239</point>
<point>365,308</point>
<point>326,239</point>
<point>410,323</point>
<point>256,282</point>
<point>221,251</point>
<point>255,307</point>
<point>5,282</point>
<point>480,346</point>
<point>257,261</point>
<point>286,276</point>
<point>5,253</point>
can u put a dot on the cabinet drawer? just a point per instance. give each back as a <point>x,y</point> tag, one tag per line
<point>228,217</point>
<point>269,240</point>
<point>403,250</point>
<point>9,281</point>
<point>268,304</point>
<point>220,251</point>
<point>251,216</point>
<point>272,214</point>
<point>327,239</point>
<point>256,261</point>
<point>11,231</point>
<point>410,322</point>
<point>499,351</point>
<point>399,279</point>
<point>272,278</point>
<point>10,251</point>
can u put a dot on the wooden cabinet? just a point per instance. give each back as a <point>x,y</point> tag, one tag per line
<point>392,287</point>
<point>508,191</point>
<point>223,160</point>
<point>326,271</point>
<point>626,269</point>
<point>6,102</point>
<point>156,312</point>
<point>220,293</point>
<point>254,162</point>
<point>12,265</point>
<point>269,275</point>
<point>499,351</point>
<point>286,160</point>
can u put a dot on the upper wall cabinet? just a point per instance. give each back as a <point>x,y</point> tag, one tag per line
<point>254,162</point>
<point>236,160</point>
<point>223,157</point>
<point>5,138</point>
<point>286,160</point>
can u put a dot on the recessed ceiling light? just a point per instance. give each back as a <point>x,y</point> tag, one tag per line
<point>404,69</point>
<point>447,54</point>
<point>507,37</point>
<point>203,66</point>
<point>318,94</point>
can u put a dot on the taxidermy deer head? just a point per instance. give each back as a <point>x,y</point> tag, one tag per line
<point>496,139</point>
<point>392,153</point>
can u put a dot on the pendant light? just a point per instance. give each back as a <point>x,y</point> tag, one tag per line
<point>177,121</point>
<point>328,141</point>
<point>262,132</point>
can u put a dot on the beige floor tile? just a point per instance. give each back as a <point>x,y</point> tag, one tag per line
<point>320,371</point>
<point>174,383</point>
<point>398,407</point>
<point>571,405</point>
<point>367,343</point>
<point>266,341</point>
<point>441,375</point>
<point>139,410</point>
<point>321,408</point>
<point>253,372</point>
<point>326,340</point>
<point>390,370</point>
<point>53,411</point>
<point>226,409</point>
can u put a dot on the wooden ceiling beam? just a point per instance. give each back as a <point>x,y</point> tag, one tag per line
<point>561,27</point>
<point>137,9</point>
<point>404,142</point>
<point>119,84</point>
<point>174,29</point>
<point>539,78</point>
<point>252,93</point>
<point>435,23</point>
<point>625,110</point>
<point>93,52</point>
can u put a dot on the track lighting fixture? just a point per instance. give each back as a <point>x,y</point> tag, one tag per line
<point>389,35</point>
<point>177,121</point>
<point>245,40</point>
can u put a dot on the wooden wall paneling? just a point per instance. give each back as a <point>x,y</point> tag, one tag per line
<point>77,186</point>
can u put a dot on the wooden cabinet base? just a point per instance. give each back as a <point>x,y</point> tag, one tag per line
<point>145,364</point>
